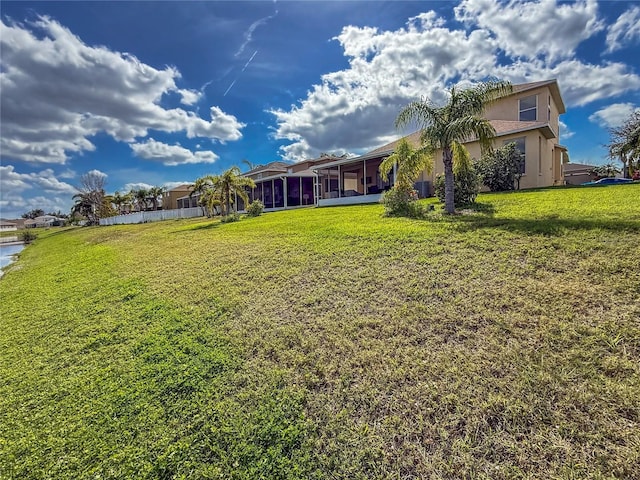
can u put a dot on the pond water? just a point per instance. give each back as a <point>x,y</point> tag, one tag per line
<point>7,253</point>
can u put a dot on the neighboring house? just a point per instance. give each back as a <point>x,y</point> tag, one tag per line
<point>44,221</point>
<point>529,117</point>
<point>578,173</point>
<point>7,226</point>
<point>281,185</point>
<point>174,198</point>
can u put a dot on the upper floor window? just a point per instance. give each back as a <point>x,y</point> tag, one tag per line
<point>528,109</point>
<point>549,109</point>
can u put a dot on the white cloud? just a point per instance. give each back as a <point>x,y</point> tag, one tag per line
<point>136,186</point>
<point>614,115</point>
<point>51,193</point>
<point>248,34</point>
<point>532,28</point>
<point>625,30</point>
<point>355,108</point>
<point>565,132</point>
<point>57,92</point>
<point>98,173</point>
<point>171,155</point>
<point>190,97</point>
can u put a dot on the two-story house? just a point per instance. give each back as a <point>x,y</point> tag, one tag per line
<point>529,116</point>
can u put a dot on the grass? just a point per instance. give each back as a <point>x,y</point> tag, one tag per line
<point>331,343</point>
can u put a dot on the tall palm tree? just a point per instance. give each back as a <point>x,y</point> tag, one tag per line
<point>229,184</point>
<point>460,120</point>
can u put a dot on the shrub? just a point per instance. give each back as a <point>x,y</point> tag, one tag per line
<point>234,217</point>
<point>402,202</point>
<point>28,236</point>
<point>501,169</point>
<point>466,187</point>
<point>255,208</point>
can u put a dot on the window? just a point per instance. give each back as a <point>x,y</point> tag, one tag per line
<point>539,155</point>
<point>549,109</point>
<point>528,109</point>
<point>520,147</point>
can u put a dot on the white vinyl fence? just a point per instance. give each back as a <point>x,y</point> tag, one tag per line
<point>155,216</point>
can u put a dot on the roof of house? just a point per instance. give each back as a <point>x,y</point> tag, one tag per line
<point>574,167</point>
<point>7,224</point>
<point>269,167</point>
<point>502,128</point>
<point>185,187</point>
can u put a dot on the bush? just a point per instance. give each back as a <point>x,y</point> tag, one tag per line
<point>234,217</point>
<point>402,202</point>
<point>28,236</point>
<point>501,169</point>
<point>255,208</point>
<point>466,187</point>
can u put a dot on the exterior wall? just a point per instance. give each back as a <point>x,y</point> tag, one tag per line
<point>509,107</point>
<point>170,199</point>
<point>543,162</point>
<point>8,227</point>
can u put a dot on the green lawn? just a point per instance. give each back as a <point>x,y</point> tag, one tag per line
<point>331,343</point>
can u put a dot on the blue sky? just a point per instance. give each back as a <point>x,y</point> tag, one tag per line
<point>160,93</point>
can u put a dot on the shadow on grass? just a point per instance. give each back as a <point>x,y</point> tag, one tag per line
<point>550,226</point>
<point>203,226</point>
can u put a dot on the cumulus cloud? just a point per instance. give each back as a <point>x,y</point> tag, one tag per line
<point>565,132</point>
<point>522,28</point>
<point>355,108</point>
<point>51,193</point>
<point>136,186</point>
<point>614,115</point>
<point>57,92</point>
<point>171,155</point>
<point>625,30</point>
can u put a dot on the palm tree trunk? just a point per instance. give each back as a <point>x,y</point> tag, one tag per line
<point>449,188</point>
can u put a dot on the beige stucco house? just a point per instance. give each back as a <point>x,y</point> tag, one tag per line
<point>529,116</point>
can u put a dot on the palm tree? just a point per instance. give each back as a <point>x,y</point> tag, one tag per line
<point>208,197</point>
<point>249,164</point>
<point>231,183</point>
<point>140,197</point>
<point>409,163</point>
<point>120,201</point>
<point>460,120</point>
<point>156,193</point>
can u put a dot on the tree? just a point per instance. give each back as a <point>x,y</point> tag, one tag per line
<point>140,196</point>
<point>249,164</point>
<point>208,197</point>
<point>399,201</point>
<point>409,164</point>
<point>604,171</point>
<point>625,144</point>
<point>31,214</point>
<point>501,169</point>
<point>156,193</point>
<point>459,120</point>
<point>90,201</point>
<point>122,202</point>
<point>229,184</point>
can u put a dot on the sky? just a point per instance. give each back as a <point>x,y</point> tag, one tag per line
<point>161,93</point>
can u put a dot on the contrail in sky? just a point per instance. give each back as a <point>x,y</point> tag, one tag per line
<point>243,69</point>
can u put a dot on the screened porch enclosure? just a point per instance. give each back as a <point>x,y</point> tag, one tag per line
<point>281,192</point>
<point>352,179</point>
